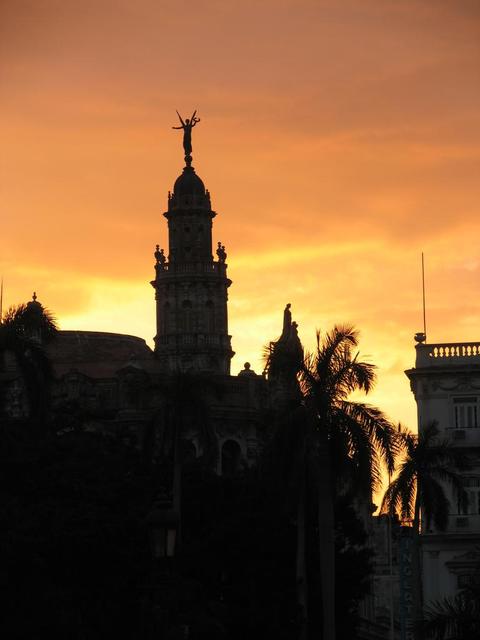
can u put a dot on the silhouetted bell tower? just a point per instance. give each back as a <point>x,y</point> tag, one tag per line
<point>190,286</point>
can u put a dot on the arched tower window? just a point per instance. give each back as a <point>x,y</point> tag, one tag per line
<point>165,318</point>
<point>210,316</point>
<point>231,455</point>
<point>187,316</point>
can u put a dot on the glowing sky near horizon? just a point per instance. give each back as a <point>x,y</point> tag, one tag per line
<point>338,139</point>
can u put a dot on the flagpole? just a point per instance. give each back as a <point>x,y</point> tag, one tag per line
<point>423,292</point>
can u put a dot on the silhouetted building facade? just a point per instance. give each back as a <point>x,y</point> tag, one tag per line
<point>116,382</point>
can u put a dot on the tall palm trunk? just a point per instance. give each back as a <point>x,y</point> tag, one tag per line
<point>326,537</point>
<point>301,569</point>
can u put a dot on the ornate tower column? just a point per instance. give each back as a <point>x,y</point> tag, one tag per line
<point>190,286</point>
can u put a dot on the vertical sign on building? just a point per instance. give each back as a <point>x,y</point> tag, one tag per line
<point>406,583</point>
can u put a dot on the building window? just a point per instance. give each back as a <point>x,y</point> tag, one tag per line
<point>231,454</point>
<point>210,316</point>
<point>187,316</point>
<point>462,506</point>
<point>470,506</point>
<point>165,318</point>
<point>465,412</point>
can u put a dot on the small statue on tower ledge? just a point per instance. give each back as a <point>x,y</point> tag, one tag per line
<point>160,257</point>
<point>221,253</point>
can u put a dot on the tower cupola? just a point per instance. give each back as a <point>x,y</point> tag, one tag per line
<point>190,285</point>
<point>189,192</point>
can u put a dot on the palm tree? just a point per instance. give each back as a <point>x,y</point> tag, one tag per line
<point>350,440</point>
<point>24,330</point>
<point>417,494</point>
<point>455,618</point>
<point>343,443</point>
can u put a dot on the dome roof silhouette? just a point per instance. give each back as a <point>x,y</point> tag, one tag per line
<point>189,184</point>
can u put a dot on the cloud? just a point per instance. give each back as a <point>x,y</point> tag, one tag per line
<point>338,140</point>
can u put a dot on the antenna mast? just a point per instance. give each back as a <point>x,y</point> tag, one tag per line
<point>423,292</point>
<point>1,301</point>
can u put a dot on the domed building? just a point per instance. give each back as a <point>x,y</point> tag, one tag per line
<point>116,382</point>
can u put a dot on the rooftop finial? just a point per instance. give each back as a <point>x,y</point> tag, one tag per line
<point>287,322</point>
<point>34,296</point>
<point>187,127</point>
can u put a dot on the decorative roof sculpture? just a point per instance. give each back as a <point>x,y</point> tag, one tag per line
<point>286,354</point>
<point>187,127</point>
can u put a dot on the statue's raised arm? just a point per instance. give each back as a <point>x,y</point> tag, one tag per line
<point>187,134</point>
<point>194,119</point>
<point>182,123</point>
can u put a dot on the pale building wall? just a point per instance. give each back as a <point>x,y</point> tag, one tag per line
<point>446,385</point>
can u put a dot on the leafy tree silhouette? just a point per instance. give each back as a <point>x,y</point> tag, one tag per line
<point>24,332</point>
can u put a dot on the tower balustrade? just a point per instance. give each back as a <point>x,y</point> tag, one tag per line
<point>193,267</point>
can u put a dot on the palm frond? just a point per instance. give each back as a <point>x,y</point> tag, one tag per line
<point>339,340</point>
<point>399,498</point>
<point>377,427</point>
<point>429,464</point>
<point>456,618</point>
<point>360,449</point>
<point>446,475</point>
<point>434,502</point>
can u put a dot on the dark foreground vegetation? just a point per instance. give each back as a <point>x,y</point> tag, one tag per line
<point>76,561</point>
<point>275,551</point>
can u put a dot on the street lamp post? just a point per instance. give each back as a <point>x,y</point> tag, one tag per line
<point>162,522</point>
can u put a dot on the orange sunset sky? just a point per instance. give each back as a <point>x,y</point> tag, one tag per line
<point>339,139</point>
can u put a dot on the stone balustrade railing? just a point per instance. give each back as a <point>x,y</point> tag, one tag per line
<point>192,267</point>
<point>467,523</point>
<point>448,353</point>
<point>194,339</point>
